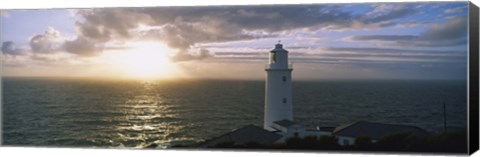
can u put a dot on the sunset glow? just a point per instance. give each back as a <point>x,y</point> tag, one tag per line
<point>325,41</point>
<point>146,60</point>
<point>274,76</point>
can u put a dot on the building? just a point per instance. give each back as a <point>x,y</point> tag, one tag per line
<point>243,136</point>
<point>347,134</point>
<point>289,129</point>
<point>278,88</point>
<point>278,116</point>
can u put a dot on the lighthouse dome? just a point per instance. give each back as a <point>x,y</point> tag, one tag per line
<point>278,48</point>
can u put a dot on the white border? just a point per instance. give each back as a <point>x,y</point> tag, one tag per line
<point>39,4</point>
<point>45,4</point>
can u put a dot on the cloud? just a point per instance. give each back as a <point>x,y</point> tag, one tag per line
<point>451,33</point>
<point>104,24</point>
<point>13,61</point>
<point>184,27</point>
<point>181,56</point>
<point>9,47</point>
<point>94,30</point>
<point>44,58</point>
<point>382,38</point>
<point>380,16</point>
<point>353,56</point>
<point>88,30</point>
<point>382,50</point>
<point>182,35</point>
<point>413,23</point>
<point>48,42</point>
<point>455,28</point>
<point>235,18</point>
<point>241,53</point>
<point>433,43</point>
<point>456,9</point>
<point>83,46</point>
<point>52,42</point>
<point>389,11</point>
<point>346,52</point>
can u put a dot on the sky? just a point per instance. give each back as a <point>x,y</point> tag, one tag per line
<point>418,40</point>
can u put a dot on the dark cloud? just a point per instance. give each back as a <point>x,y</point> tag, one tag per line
<point>9,47</point>
<point>182,35</point>
<point>184,27</point>
<point>97,27</point>
<point>83,46</point>
<point>452,33</point>
<point>91,31</point>
<point>455,28</point>
<point>235,18</point>
<point>103,24</point>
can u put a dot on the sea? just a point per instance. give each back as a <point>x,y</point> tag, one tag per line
<point>82,112</point>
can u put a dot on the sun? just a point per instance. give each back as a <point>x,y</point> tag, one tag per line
<point>145,60</point>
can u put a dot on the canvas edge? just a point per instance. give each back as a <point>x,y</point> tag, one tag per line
<point>473,77</point>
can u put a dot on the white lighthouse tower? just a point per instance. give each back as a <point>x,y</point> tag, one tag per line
<point>278,88</point>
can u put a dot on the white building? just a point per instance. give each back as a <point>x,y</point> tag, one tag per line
<point>278,89</point>
<point>278,98</point>
<point>290,129</point>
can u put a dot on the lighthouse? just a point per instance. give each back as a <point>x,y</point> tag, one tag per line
<point>278,88</point>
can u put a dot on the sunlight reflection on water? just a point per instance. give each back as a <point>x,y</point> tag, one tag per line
<point>150,119</point>
<point>82,113</point>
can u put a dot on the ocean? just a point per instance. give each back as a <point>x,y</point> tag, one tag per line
<point>68,112</point>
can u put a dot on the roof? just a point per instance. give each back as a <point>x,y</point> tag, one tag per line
<point>376,130</point>
<point>278,48</point>
<point>328,129</point>
<point>249,133</point>
<point>285,123</point>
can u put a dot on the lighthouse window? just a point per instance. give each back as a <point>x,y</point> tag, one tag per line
<point>274,58</point>
<point>284,78</point>
<point>284,100</point>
